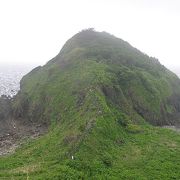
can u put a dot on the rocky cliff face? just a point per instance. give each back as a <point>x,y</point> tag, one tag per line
<point>5,107</point>
<point>5,114</point>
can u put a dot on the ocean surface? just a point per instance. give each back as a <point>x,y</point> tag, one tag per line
<point>10,76</point>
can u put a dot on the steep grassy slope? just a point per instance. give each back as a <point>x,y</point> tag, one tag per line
<point>131,81</point>
<point>98,96</point>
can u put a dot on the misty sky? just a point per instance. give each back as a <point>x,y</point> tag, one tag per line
<point>33,31</point>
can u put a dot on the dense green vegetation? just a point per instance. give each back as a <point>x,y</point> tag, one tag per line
<point>143,153</point>
<point>133,82</point>
<point>99,96</point>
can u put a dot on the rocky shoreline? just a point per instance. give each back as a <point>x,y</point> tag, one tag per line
<point>11,140</point>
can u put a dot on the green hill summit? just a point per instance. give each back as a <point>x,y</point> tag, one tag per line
<point>99,98</point>
<point>101,65</point>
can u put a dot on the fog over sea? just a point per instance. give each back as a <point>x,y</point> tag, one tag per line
<point>10,76</point>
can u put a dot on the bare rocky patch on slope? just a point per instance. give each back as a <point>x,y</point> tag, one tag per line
<point>13,132</point>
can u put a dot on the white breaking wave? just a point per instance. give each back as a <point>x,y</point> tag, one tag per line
<point>10,76</point>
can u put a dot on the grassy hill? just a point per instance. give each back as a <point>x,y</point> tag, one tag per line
<point>100,97</point>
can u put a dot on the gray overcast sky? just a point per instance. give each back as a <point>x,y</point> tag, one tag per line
<point>33,31</point>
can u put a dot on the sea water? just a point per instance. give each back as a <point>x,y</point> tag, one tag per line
<point>10,76</point>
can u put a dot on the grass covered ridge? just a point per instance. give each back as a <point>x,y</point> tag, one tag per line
<point>99,96</point>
